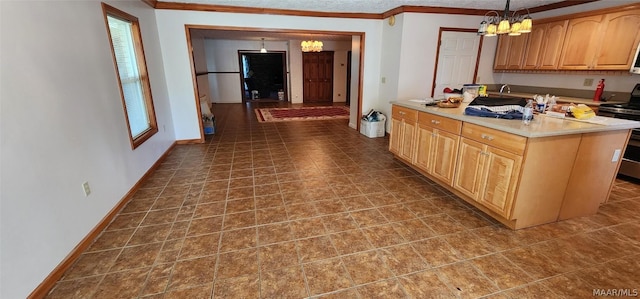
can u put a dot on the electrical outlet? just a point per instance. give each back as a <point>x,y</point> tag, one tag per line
<point>587,82</point>
<point>86,188</point>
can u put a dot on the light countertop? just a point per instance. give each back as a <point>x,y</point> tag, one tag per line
<point>541,126</point>
<point>562,99</point>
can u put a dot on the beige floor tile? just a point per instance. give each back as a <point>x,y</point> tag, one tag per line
<point>425,284</point>
<point>501,271</point>
<point>283,283</point>
<point>386,289</point>
<point>315,209</point>
<point>366,267</point>
<point>350,241</point>
<point>466,281</point>
<point>316,248</point>
<point>278,256</point>
<point>326,276</point>
<point>402,259</point>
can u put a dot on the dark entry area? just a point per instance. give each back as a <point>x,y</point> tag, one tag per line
<point>263,75</point>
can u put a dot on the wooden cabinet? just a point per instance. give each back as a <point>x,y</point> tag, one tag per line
<point>620,37</point>
<point>486,173</point>
<point>510,52</point>
<point>544,46</point>
<point>469,169</point>
<point>508,176</point>
<point>603,40</point>
<point>500,178</point>
<point>403,125</point>
<point>583,34</point>
<point>437,146</point>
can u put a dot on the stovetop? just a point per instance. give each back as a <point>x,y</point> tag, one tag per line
<point>634,106</point>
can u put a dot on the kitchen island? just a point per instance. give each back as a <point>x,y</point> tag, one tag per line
<point>521,175</point>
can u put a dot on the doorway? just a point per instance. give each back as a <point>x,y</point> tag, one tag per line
<point>263,76</point>
<point>317,77</point>
<point>457,59</point>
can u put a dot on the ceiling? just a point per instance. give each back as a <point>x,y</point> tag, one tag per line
<point>369,6</point>
<point>338,6</point>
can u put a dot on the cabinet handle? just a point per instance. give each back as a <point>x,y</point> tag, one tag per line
<point>484,153</point>
<point>487,137</point>
<point>433,121</point>
<point>402,113</point>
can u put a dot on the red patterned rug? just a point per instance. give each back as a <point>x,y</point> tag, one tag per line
<point>301,114</point>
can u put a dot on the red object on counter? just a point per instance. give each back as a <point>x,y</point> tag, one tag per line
<point>599,90</point>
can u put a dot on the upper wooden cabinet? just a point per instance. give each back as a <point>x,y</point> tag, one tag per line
<point>618,45</point>
<point>580,43</point>
<point>544,46</point>
<point>603,40</point>
<point>510,52</point>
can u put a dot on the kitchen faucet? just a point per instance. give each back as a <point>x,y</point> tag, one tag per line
<point>502,88</point>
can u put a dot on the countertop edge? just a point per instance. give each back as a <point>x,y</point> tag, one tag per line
<point>487,122</point>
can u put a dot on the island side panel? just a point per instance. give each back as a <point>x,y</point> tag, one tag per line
<point>546,171</point>
<point>593,173</point>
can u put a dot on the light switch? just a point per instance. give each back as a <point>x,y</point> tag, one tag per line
<point>384,79</point>
<point>616,155</point>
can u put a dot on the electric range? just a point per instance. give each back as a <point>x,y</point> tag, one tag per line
<point>630,165</point>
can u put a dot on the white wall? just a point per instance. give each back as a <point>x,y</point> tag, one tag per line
<point>200,65</point>
<point>409,55</point>
<point>222,56</point>
<point>63,123</point>
<point>171,28</point>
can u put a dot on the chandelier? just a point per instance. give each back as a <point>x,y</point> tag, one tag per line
<point>513,25</point>
<point>311,46</point>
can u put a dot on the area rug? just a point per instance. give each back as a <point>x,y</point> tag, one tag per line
<point>301,114</point>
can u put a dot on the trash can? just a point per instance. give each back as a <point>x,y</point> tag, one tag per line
<point>209,125</point>
<point>372,125</point>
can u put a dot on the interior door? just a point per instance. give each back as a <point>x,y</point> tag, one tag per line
<point>317,77</point>
<point>457,60</point>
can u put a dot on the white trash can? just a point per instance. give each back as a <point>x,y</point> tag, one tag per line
<point>373,129</point>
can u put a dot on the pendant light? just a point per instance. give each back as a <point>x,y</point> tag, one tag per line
<point>514,25</point>
<point>263,49</point>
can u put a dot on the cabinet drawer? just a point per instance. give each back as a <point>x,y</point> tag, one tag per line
<point>404,113</point>
<point>502,140</point>
<point>439,122</point>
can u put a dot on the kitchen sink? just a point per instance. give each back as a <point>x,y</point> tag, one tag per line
<point>499,101</point>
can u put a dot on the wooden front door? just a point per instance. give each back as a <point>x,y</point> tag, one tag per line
<point>317,76</point>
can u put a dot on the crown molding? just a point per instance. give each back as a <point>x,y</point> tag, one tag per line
<point>376,16</point>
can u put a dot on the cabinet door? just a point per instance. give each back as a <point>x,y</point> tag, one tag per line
<point>502,53</point>
<point>510,52</point>
<point>578,51</point>
<point>620,37</point>
<point>469,170</point>
<point>407,140</point>
<point>500,177</point>
<point>396,136</point>
<point>534,47</point>
<point>424,147</point>
<point>445,153</point>
<point>552,45</point>
<point>517,46</point>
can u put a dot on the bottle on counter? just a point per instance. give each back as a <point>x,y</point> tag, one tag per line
<point>527,114</point>
<point>599,90</point>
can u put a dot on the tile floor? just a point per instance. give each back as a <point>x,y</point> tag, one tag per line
<point>314,209</point>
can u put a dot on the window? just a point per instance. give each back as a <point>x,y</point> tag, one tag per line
<point>131,68</point>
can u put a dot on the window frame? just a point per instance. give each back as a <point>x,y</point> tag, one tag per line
<point>142,70</point>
